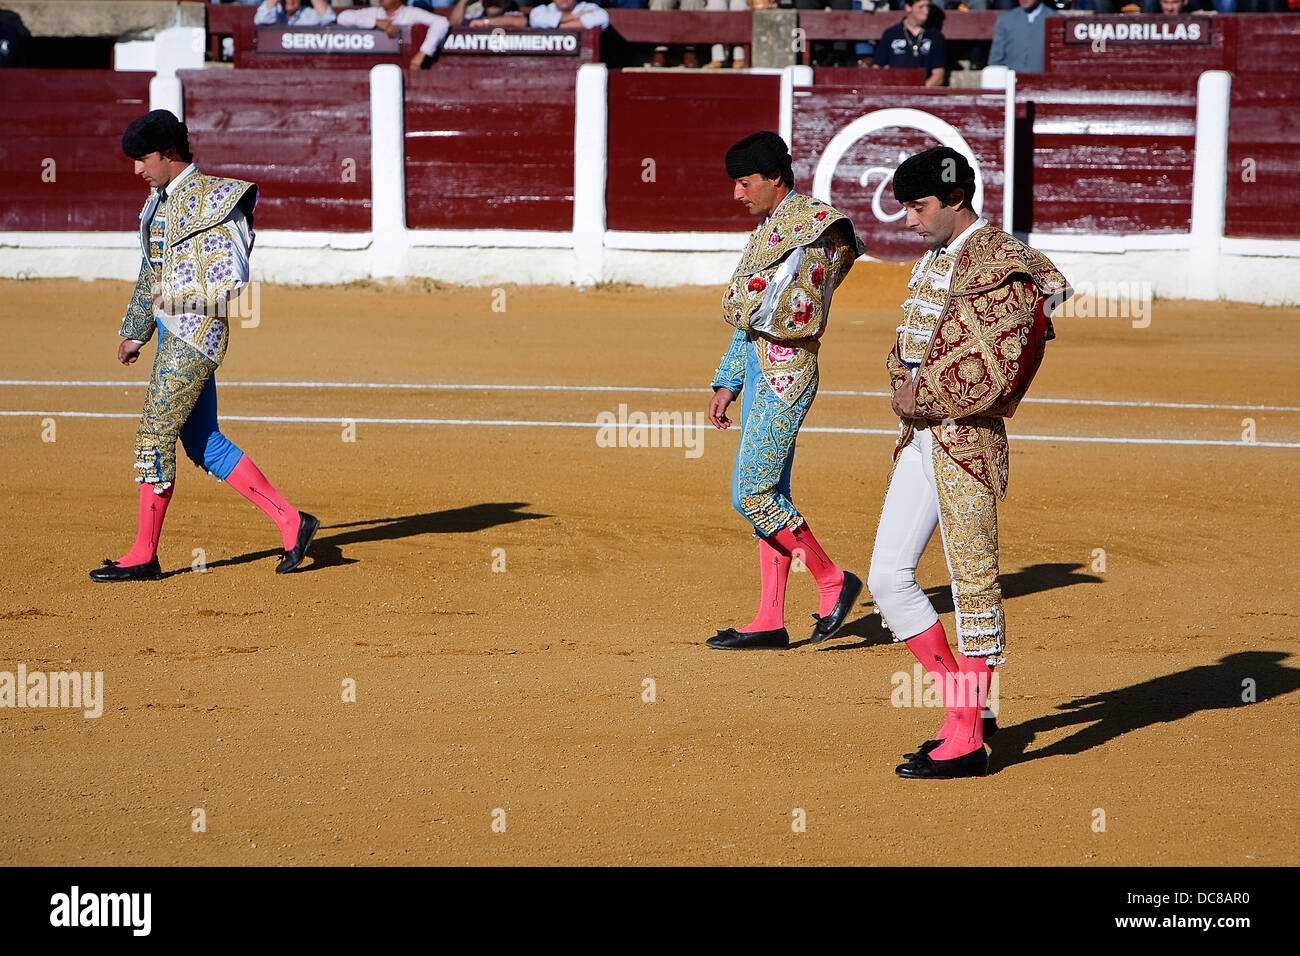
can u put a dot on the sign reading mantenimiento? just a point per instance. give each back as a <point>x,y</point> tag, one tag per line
<point>497,42</point>
<point>300,40</point>
<point>506,42</point>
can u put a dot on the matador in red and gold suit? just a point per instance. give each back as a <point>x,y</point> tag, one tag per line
<point>974,328</point>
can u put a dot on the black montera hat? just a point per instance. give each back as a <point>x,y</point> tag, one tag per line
<point>936,172</point>
<point>760,153</point>
<point>156,132</point>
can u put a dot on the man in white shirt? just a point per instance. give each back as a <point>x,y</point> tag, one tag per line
<point>568,15</point>
<point>390,15</point>
<point>294,13</point>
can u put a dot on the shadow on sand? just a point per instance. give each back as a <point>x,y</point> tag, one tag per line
<point>1030,580</point>
<point>1161,700</point>
<point>327,550</point>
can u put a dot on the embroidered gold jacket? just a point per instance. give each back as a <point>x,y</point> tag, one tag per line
<point>987,344</point>
<point>781,290</point>
<point>199,264</point>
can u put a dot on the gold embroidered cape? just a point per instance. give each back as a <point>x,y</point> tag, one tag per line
<point>987,344</point>
<point>198,272</point>
<point>788,357</point>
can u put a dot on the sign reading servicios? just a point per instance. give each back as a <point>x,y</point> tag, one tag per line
<point>300,40</point>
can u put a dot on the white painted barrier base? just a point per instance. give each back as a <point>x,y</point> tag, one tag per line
<point>1258,271</point>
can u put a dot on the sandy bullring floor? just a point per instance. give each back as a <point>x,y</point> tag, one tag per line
<point>501,593</point>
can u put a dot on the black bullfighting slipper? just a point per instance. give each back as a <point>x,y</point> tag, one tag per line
<point>990,728</point>
<point>112,571</point>
<point>733,640</point>
<point>925,767</point>
<point>826,627</point>
<point>308,525</point>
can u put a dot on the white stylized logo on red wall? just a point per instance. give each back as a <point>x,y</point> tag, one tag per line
<point>871,148</point>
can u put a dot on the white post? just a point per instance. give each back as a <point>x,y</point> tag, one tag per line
<point>791,76</point>
<point>1209,184</point>
<point>590,153</point>
<point>165,94</point>
<point>179,48</point>
<point>1009,154</point>
<point>388,244</point>
<point>176,48</point>
<point>995,77</point>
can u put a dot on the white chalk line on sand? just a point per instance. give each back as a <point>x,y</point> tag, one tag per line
<point>459,386</point>
<point>514,423</point>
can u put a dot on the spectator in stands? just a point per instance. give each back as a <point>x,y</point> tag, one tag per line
<point>390,15</point>
<point>908,44</point>
<point>294,13</point>
<point>1018,37</point>
<point>568,15</point>
<point>487,14</point>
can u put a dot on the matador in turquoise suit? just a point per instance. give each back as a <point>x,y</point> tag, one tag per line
<point>196,236</point>
<point>778,302</point>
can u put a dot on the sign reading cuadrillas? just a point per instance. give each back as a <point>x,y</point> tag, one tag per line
<point>1164,31</point>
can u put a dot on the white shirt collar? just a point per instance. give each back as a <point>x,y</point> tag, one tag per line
<point>1033,14</point>
<point>171,186</point>
<point>954,244</point>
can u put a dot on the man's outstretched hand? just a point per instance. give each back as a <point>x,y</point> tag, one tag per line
<point>722,397</point>
<point>128,351</point>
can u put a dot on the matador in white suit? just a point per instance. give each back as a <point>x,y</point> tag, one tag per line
<point>196,235</point>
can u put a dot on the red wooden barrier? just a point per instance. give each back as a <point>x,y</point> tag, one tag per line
<point>863,170</point>
<point>61,162</point>
<point>867,77</point>
<point>1240,43</point>
<point>1267,44</point>
<point>1110,156</point>
<point>487,149</point>
<point>683,124</point>
<point>682,26</point>
<point>857,25</point>
<point>307,147</point>
<point>1263,142</point>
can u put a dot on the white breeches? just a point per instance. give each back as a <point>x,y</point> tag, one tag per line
<point>907,522</point>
